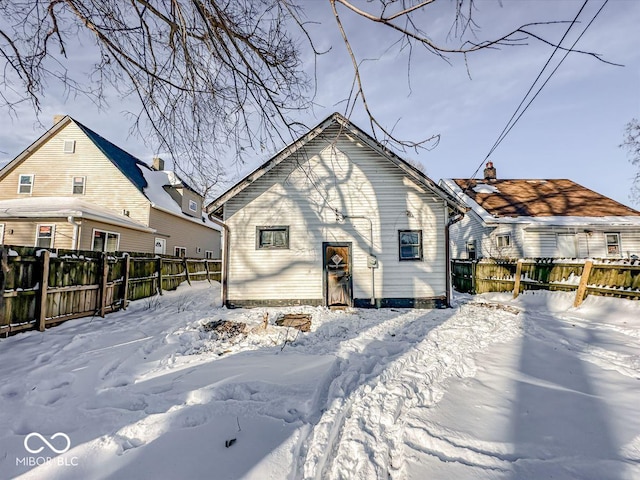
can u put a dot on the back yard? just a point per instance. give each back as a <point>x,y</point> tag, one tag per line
<point>494,388</point>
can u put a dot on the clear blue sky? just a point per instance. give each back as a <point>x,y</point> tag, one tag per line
<point>572,130</point>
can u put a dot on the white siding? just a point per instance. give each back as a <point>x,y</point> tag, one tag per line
<point>304,192</point>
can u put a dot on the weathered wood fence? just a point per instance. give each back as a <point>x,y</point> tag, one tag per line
<point>41,288</point>
<point>617,278</point>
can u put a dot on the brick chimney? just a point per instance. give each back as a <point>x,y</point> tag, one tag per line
<point>490,171</point>
<point>57,118</point>
<point>158,163</point>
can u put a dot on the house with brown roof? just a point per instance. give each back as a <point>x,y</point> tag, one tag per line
<point>74,189</point>
<point>518,218</point>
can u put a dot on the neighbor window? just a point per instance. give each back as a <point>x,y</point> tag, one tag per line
<point>208,254</point>
<point>503,241</point>
<point>613,244</point>
<point>410,244</point>
<point>25,184</point>
<point>104,241</point>
<point>78,185</point>
<point>471,250</point>
<point>44,236</point>
<point>1,233</point>
<point>272,237</point>
<point>193,206</point>
<point>180,251</point>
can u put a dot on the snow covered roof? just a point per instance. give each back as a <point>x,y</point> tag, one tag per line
<point>543,202</point>
<point>63,207</point>
<point>352,129</point>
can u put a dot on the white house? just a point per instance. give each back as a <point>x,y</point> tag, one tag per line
<point>540,218</point>
<point>336,219</point>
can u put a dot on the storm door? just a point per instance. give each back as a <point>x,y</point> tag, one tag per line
<point>338,286</point>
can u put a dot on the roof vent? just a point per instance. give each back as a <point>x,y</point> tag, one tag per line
<point>490,171</point>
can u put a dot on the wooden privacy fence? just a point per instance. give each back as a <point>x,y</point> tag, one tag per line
<point>40,288</point>
<point>617,278</point>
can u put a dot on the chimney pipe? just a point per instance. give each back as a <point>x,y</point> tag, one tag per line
<point>158,163</point>
<point>490,171</point>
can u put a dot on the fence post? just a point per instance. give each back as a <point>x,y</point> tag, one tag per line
<point>4,269</point>
<point>186,270</point>
<point>206,267</point>
<point>103,283</point>
<point>125,289</point>
<point>584,281</point>
<point>159,267</point>
<point>44,284</point>
<point>516,284</point>
<point>474,264</point>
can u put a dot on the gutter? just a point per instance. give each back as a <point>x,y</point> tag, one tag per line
<point>76,231</point>
<point>225,257</point>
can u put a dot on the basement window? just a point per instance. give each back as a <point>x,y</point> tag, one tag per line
<point>410,244</point>
<point>272,237</point>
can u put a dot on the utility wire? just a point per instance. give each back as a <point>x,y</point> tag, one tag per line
<point>511,123</point>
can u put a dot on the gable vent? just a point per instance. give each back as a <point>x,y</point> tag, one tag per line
<point>69,146</point>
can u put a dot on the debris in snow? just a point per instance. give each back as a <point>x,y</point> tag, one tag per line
<point>299,321</point>
<point>228,443</point>
<point>225,329</point>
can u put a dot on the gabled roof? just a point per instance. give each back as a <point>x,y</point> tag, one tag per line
<point>538,200</point>
<point>346,125</point>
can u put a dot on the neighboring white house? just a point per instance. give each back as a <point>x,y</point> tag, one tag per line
<point>336,219</point>
<point>540,218</point>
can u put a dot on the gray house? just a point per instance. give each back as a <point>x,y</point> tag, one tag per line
<point>336,219</point>
<point>540,218</point>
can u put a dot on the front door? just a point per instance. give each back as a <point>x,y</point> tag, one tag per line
<point>337,274</point>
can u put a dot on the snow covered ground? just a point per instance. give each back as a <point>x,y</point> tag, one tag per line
<point>492,389</point>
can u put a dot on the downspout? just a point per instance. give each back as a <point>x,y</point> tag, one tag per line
<point>225,257</point>
<point>447,250</point>
<point>76,231</point>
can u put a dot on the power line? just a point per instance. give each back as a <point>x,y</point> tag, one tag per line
<point>515,117</point>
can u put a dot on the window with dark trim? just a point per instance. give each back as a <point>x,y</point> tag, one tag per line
<point>410,242</point>
<point>272,237</point>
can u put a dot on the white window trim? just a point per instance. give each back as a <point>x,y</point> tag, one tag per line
<point>32,177</point>
<point>53,234</point>
<point>84,184</point>
<point>619,243</point>
<point>1,233</point>
<point>69,146</point>
<point>178,249</point>
<point>107,232</point>
<point>502,237</point>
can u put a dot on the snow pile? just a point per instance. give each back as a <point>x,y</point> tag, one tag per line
<point>179,387</point>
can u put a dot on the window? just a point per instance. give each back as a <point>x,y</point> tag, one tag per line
<point>25,184</point>
<point>78,185</point>
<point>272,237</point>
<point>503,241</point>
<point>410,244</point>
<point>1,233</point>
<point>44,236</point>
<point>208,254</point>
<point>104,241</point>
<point>471,249</point>
<point>613,244</point>
<point>180,251</point>
<point>193,206</point>
<point>69,146</point>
